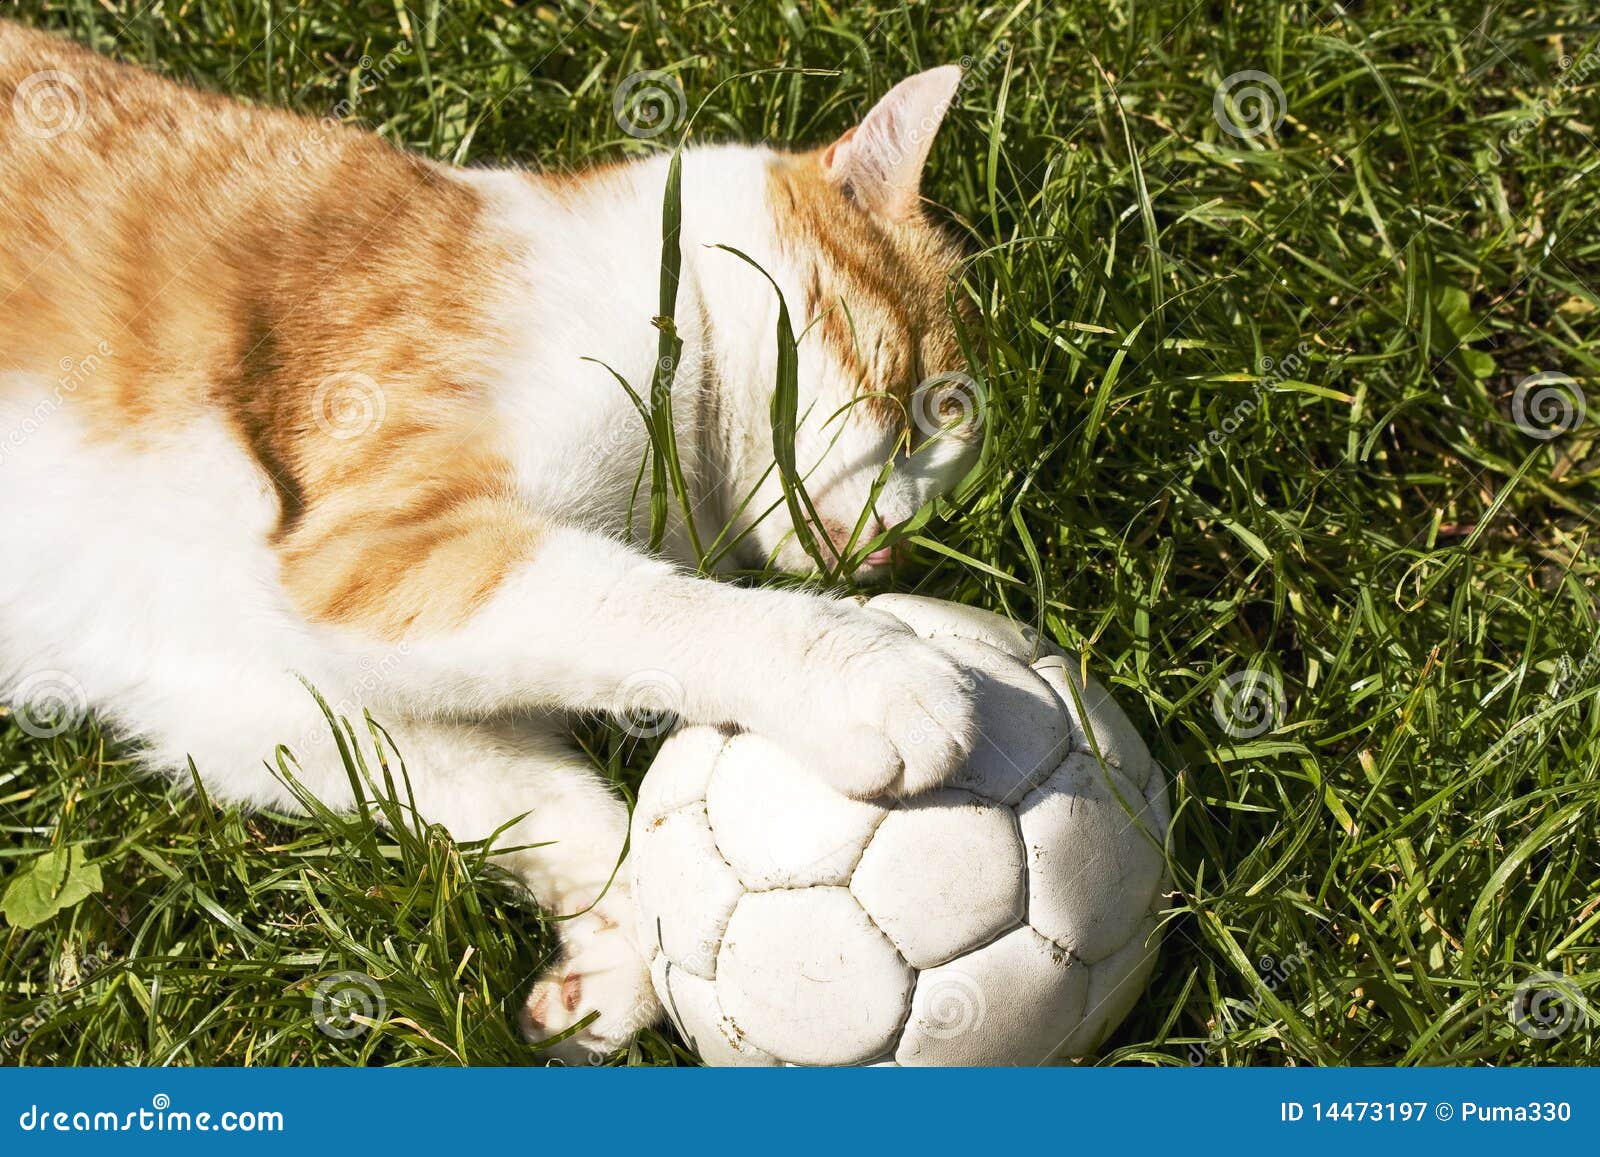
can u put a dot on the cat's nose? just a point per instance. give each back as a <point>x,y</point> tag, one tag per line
<point>884,555</point>
<point>839,533</point>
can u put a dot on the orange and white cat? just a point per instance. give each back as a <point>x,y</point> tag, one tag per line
<point>279,401</point>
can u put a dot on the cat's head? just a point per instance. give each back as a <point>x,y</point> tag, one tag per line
<point>881,376</point>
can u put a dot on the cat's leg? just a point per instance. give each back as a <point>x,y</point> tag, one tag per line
<point>477,779</point>
<point>522,785</point>
<point>582,622</point>
<point>585,623</point>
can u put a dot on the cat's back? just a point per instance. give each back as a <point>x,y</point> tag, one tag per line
<point>216,256</point>
<point>89,145</point>
<point>194,294</point>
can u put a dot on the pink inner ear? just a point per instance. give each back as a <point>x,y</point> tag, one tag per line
<point>879,163</point>
<point>828,155</point>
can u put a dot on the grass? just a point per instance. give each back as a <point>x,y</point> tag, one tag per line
<point>1253,406</point>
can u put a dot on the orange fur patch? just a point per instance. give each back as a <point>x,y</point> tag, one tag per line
<point>296,278</point>
<point>875,289</point>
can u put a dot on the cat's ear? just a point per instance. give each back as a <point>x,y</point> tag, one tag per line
<point>878,164</point>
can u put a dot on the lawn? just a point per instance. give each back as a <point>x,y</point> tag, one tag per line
<point>1288,317</point>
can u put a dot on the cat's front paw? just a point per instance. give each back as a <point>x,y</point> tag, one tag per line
<point>601,972</point>
<point>874,709</point>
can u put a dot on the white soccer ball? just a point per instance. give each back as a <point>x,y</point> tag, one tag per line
<point>1007,918</point>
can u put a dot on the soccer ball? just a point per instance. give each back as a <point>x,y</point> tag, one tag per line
<point>1007,918</point>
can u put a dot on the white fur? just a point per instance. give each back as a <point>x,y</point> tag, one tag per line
<point>145,577</point>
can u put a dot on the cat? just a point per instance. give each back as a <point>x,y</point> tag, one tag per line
<point>282,404</point>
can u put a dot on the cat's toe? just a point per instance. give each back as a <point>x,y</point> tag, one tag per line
<point>920,702</point>
<point>857,761</point>
<point>895,717</point>
<point>603,978</point>
<point>930,720</point>
<point>552,1007</point>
